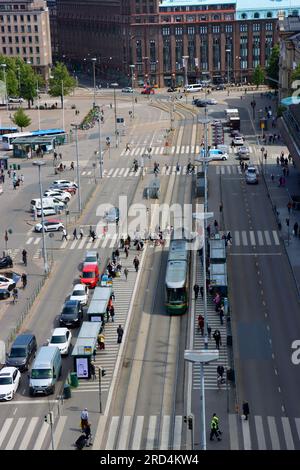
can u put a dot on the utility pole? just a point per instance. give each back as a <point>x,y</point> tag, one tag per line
<point>78,168</point>
<point>100,145</point>
<point>114,85</point>
<point>132,67</point>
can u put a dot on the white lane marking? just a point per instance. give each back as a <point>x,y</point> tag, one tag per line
<point>36,241</point>
<point>222,170</point>
<point>29,240</point>
<point>260,237</point>
<point>287,433</point>
<point>115,173</point>
<point>297,420</point>
<point>162,150</point>
<point>164,442</point>
<point>122,153</point>
<point>244,238</point>
<point>197,148</point>
<point>121,172</point>
<point>109,173</point>
<point>41,437</point>
<point>83,173</point>
<point>252,238</point>
<point>89,244</point>
<point>273,433</point>
<point>15,434</point>
<point>58,432</point>
<point>237,238</point>
<point>182,149</point>
<point>178,149</point>
<point>124,433</point>
<point>177,432</point>
<point>246,434</point>
<point>151,432</point>
<point>112,433</point>
<point>105,241</point>
<point>82,242</point>
<point>97,243</point>
<point>64,244</point>
<point>137,437</point>
<point>156,150</point>
<point>5,429</point>
<point>267,237</point>
<point>275,236</point>
<point>74,243</point>
<point>260,433</point>
<point>233,432</point>
<point>29,432</point>
<point>126,172</point>
<point>218,170</point>
<point>228,170</point>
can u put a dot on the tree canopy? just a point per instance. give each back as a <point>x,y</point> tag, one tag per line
<point>273,67</point>
<point>61,83</point>
<point>258,77</point>
<point>21,119</point>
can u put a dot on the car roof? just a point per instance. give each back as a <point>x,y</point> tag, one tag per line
<point>89,267</point>
<point>79,287</point>
<point>7,371</point>
<point>91,253</point>
<point>23,339</point>
<point>70,303</point>
<point>59,331</point>
<point>56,221</point>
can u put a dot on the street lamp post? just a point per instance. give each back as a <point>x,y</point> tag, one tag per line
<point>94,75</point>
<point>38,101</point>
<point>39,164</point>
<point>100,145</point>
<point>63,105</point>
<point>185,59</point>
<point>228,60</point>
<point>202,357</point>
<point>5,84</point>
<point>114,85</point>
<point>78,168</point>
<point>132,67</point>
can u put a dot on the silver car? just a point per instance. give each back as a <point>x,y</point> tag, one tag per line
<point>251,175</point>
<point>244,153</point>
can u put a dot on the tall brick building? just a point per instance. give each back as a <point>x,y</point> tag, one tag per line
<point>221,38</point>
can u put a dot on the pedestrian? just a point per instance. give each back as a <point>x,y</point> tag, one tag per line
<point>277,161</point>
<point>221,207</point>
<point>214,429</point>
<point>221,315</point>
<point>24,280</point>
<point>136,263</point>
<point>289,206</point>
<point>217,338</point>
<point>93,371</point>
<point>201,324</point>
<point>75,234</point>
<point>91,231</point>
<point>24,257</point>
<point>22,178</point>
<point>88,435</point>
<point>81,233</point>
<point>196,290</point>
<point>216,225</point>
<point>220,371</point>
<point>65,236</point>
<point>246,410</point>
<point>93,235</point>
<point>126,273</point>
<point>101,341</point>
<point>84,419</point>
<point>209,331</point>
<point>126,250</point>
<point>112,313</point>
<point>8,172</point>
<point>201,292</point>
<point>120,333</point>
<point>296,229</point>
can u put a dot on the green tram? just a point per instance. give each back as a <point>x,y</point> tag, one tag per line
<point>177,286</point>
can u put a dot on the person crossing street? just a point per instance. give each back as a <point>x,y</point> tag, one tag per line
<point>136,263</point>
<point>214,428</point>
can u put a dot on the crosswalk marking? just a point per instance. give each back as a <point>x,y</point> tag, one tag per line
<point>5,429</point>
<point>246,435</point>
<point>177,432</point>
<point>161,150</point>
<point>42,434</point>
<point>276,239</point>
<point>267,237</point>
<point>260,433</point>
<point>137,437</point>
<point>121,172</point>
<point>115,173</point>
<point>58,431</point>
<point>287,433</point>
<point>297,421</point>
<point>237,237</point>
<point>36,241</point>
<point>29,240</point>
<point>112,433</point>
<point>73,245</point>
<point>124,433</point>
<point>110,173</point>
<point>273,433</point>
<point>164,442</point>
<point>15,434</point>
<point>28,433</point>
<point>260,238</point>
<point>151,432</point>
<point>244,238</point>
<point>252,238</point>
<point>233,432</point>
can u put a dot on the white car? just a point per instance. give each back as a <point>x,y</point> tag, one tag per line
<point>91,257</point>
<point>15,100</point>
<point>61,337</point>
<point>7,283</point>
<point>211,101</point>
<point>60,195</point>
<point>127,89</point>
<point>50,226</point>
<point>46,211</point>
<point>238,140</point>
<point>9,382</point>
<point>63,183</point>
<point>244,153</point>
<point>81,293</point>
<point>251,175</point>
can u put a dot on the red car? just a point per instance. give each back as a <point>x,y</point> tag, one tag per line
<point>147,91</point>
<point>90,275</point>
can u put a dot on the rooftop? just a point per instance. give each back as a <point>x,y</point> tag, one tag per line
<point>240,4</point>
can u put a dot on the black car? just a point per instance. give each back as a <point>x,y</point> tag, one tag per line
<point>171,89</point>
<point>22,352</point>
<point>220,86</point>
<point>4,294</point>
<point>6,262</point>
<point>201,104</point>
<point>72,313</point>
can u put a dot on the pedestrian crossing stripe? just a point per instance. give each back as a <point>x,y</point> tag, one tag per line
<point>178,150</point>
<point>230,169</point>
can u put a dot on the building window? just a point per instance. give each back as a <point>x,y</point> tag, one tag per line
<point>268,48</point>
<point>203,29</point>
<point>16,29</point>
<point>191,54</point>
<point>36,39</point>
<point>269,14</point>
<point>15,18</point>
<point>269,26</point>
<point>21,17</point>
<point>24,50</point>
<point>38,61</point>
<point>23,39</point>
<point>179,51</point>
<point>256,15</point>
<point>295,13</point>
<point>216,54</point>
<point>17,50</point>
<point>166,31</point>
<point>256,27</point>
<point>178,31</point>
<point>3,40</point>
<point>4,50</point>
<point>216,17</point>
<point>167,55</point>
<point>29,29</point>
<point>204,53</point>
<point>36,28</point>
<point>244,16</point>
<point>35,17</point>
<point>9,29</point>
<point>228,28</point>
<point>152,52</point>
<point>2,29</point>
<point>243,28</point>
<point>256,51</point>
<point>37,50</point>
<point>138,51</point>
<point>216,29</point>
<point>191,30</point>
<point>17,39</point>
<point>22,29</point>
<point>28,18</point>
<point>8,18</point>
<point>31,50</point>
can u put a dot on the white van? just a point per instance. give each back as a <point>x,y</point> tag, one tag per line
<point>215,154</point>
<point>45,371</point>
<point>47,202</point>
<point>193,88</point>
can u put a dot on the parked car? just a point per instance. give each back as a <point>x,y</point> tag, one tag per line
<point>60,195</point>
<point>238,140</point>
<point>4,294</point>
<point>211,101</point>
<point>15,100</point>
<point>6,262</point>
<point>90,275</point>
<point>147,91</point>
<point>50,226</point>
<point>113,215</point>
<point>61,337</point>
<point>244,153</point>
<point>7,283</point>
<point>127,89</point>
<point>219,86</point>
<point>91,257</point>
<point>80,292</point>
<point>22,351</point>
<point>64,184</point>
<point>251,175</point>
<point>72,313</point>
<point>201,103</point>
<point>9,382</point>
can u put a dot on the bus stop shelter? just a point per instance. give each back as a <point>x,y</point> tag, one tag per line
<point>24,147</point>
<point>217,251</point>
<point>218,278</point>
<point>84,348</point>
<point>99,303</point>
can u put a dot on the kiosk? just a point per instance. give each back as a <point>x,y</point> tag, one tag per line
<point>84,348</point>
<point>99,303</point>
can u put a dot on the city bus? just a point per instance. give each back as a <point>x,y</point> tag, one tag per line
<point>177,274</point>
<point>60,134</point>
<point>7,139</point>
<point>7,130</point>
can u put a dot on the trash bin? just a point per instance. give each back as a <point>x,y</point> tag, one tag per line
<point>74,379</point>
<point>67,391</point>
<point>19,167</point>
<point>14,166</point>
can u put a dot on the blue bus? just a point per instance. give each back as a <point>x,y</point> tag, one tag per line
<point>59,133</point>
<point>7,130</point>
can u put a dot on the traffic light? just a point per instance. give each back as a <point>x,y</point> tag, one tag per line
<point>103,372</point>
<point>190,422</point>
<point>46,418</point>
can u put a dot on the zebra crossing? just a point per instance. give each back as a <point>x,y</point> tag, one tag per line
<point>231,169</point>
<point>154,432</point>
<point>213,321</point>
<point>173,150</point>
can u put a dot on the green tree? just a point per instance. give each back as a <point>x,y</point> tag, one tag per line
<point>296,73</point>
<point>258,77</point>
<point>273,67</point>
<point>28,83</point>
<point>61,82</point>
<point>21,119</point>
